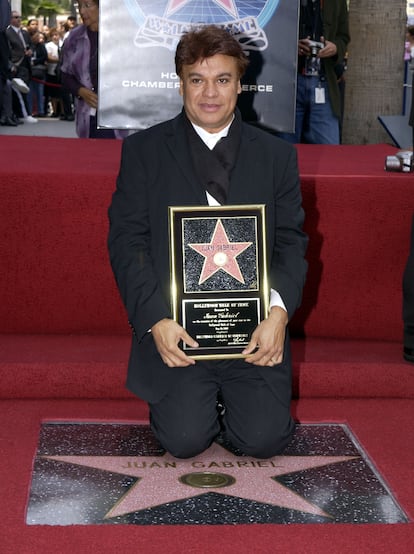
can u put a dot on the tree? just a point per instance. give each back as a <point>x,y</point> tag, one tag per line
<point>49,9</point>
<point>375,76</point>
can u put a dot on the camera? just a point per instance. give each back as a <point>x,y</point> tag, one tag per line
<point>315,46</point>
<point>402,161</point>
<point>312,62</point>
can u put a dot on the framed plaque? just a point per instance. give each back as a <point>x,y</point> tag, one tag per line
<point>219,286</point>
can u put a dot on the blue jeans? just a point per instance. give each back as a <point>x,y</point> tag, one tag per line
<point>315,123</point>
<point>36,96</point>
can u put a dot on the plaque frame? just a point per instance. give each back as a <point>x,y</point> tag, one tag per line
<point>218,276</point>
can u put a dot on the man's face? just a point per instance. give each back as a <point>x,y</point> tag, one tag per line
<point>209,89</point>
<point>16,19</point>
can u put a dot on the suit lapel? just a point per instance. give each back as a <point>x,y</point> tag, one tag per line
<point>177,143</point>
<point>243,176</point>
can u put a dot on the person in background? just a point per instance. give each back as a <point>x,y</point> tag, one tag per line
<point>20,55</point>
<point>409,46</point>
<point>408,301</point>
<point>32,26</point>
<point>67,98</point>
<point>80,71</point>
<point>53,92</point>
<point>69,24</point>
<point>323,41</point>
<point>6,110</point>
<point>37,82</point>
<point>207,155</point>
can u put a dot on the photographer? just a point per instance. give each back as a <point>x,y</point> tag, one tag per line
<point>323,40</point>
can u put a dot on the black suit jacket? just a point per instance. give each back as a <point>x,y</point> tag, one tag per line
<point>18,53</point>
<point>157,172</point>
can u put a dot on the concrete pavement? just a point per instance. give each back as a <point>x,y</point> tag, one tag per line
<point>45,127</point>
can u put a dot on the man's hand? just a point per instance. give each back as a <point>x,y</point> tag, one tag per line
<point>167,334</point>
<point>269,339</point>
<point>303,47</point>
<point>329,50</point>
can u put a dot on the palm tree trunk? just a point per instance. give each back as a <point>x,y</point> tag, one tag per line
<point>375,76</point>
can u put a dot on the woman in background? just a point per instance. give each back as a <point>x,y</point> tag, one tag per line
<point>80,71</point>
<point>52,82</point>
<point>39,66</point>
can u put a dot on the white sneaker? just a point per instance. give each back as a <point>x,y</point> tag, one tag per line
<point>20,85</point>
<point>30,119</point>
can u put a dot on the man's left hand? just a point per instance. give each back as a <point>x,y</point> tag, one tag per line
<point>329,50</point>
<point>268,338</point>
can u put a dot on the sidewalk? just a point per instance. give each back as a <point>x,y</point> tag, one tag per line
<point>45,127</point>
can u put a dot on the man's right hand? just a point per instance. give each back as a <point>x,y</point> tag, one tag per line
<point>167,334</point>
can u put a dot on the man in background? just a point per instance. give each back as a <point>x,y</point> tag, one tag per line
<point>6,112</point>
<point>323,41</point>
<point>21,55</point>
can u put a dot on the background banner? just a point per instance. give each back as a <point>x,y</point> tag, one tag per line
<point>138,86</point>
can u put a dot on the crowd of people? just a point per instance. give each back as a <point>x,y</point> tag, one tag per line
<point>30,81</point>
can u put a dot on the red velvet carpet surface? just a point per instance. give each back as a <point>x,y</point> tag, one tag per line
<point>64,338</point>
<point>383,427</point>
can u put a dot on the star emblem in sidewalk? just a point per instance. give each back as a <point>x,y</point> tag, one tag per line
<point>227,5</point>
<point>160,478</point>
<point>220,253</point>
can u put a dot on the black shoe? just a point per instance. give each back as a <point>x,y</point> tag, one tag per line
<point>8,122</point>
<point>408,354</point>
<point>16,120</point>
<point>67,118</point>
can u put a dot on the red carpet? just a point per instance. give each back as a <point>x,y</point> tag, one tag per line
<point>64,337</point>
<point>374,422</point>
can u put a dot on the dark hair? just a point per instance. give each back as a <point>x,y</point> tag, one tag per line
<point>205,42</point>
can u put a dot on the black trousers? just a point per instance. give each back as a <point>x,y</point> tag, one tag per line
<point>408,294</point>
<point>257,418</point>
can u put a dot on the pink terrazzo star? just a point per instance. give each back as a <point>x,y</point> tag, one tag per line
<point>159,477</point>
<point>220,253</point>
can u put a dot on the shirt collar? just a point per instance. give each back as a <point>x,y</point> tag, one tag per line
<point>211,139</point>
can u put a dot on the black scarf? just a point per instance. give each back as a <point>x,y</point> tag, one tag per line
<point>214,167</point>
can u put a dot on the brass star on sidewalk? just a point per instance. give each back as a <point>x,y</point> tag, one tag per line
<point>165,479</point>
<point>220,253</point>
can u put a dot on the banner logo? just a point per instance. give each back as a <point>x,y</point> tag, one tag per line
<point>163,22</point>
